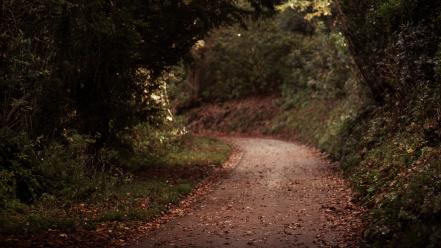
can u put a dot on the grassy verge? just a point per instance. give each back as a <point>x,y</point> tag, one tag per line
<point>146,195</point>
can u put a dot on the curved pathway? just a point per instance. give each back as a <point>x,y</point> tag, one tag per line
<point>280,195</point>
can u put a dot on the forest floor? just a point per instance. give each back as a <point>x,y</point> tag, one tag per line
<point>280,194</point>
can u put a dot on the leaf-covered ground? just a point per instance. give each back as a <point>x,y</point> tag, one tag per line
<point>123,213</point>
<point>280,195</point>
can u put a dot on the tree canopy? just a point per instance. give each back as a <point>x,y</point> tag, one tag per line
<point>77,75</point>
<point>90,65</point>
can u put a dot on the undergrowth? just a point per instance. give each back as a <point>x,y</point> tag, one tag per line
<point>396,170</point>
<point>392,163</point>
<point>146,192</point>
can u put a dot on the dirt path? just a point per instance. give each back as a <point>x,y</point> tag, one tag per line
<point>280,195</point>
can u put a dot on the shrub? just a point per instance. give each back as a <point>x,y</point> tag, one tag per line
<point>268,57</point>
<point>152,144</point>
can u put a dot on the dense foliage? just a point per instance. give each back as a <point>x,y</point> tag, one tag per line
<point>81,81</point>
<point>279,56</point>
<point>395,163</point>
<point>84,88</point>
<point>395,43</point>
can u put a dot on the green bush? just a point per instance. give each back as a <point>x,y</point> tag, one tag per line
<point>67,171</point>
<point>18,175</point>
<point>272,56</point>
<point>394,43</point>
<point>151,145</point>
